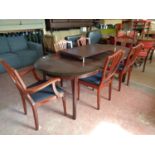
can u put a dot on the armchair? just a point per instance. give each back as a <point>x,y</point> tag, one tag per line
<point>37,94</point>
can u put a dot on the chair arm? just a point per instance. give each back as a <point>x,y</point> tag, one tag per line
<point>43,85</point>
<point>27,70</point>
<point>70,42</point>
<point>89,42</point>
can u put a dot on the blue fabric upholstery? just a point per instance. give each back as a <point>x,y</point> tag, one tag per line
<point>17,43</point>
<point>73,38</point>
<point>95,79</point>
<point>9,51</point>
<point>121,66</point>
<point>27,57</point>
<point>44,93</point>
<point>11,59</point>
<point>4,46</point>
<point>95,37</point>
<point>36,47</point>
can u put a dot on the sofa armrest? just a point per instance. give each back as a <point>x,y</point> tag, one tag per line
<point>35,46</point>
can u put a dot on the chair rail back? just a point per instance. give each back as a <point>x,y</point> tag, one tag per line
<point>111,65</point>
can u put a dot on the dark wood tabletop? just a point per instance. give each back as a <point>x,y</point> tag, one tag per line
<point>71,68</point>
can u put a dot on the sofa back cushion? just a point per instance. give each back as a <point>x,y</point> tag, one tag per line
<point>4,46</point>
<point>95,37</point>
<point>17,43</point>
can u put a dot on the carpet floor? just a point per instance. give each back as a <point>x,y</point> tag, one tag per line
<point>131,111</point>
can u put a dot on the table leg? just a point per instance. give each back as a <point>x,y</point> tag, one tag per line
<point>44,75</point>
<point>74,96</point>
<point>83,61</point>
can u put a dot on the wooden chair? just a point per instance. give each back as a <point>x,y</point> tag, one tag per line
<point>103,78</point>
<point>126,65</point>
<point>83,41</point>
<point>37,94</point>
<point>127,39</point>
<point>62,44</point>
<point>148,49</point>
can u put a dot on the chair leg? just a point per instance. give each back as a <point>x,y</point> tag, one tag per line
<point>98,99</point>
<point>129,74</point>
<point>144,64</point>
<point>120,81</point>
<point>151,55</point>
<point>61,83</point>
<point>110,89</point>
<point>78,91</point>
<point>64,105</point>
<point>35,115</point>
<point>24,104</point>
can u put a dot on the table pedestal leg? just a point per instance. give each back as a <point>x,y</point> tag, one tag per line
<point>74,96</point>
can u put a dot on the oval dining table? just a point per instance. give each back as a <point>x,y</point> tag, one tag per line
<point>67,66</point>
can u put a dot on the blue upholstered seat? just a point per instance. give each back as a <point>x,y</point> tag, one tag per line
<point>44,93</point>
<point>120,67</point>
<point>95,79</point>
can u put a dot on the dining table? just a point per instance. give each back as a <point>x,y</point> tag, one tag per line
<point>68,65</point>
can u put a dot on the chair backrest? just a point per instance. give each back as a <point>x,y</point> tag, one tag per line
<point>60,45</point>
<point>95,36</point>
<point>14,75</point>
<point>111,65</point>
<point>82,41</point>
<point>148,44</point>
<point>132,56</point>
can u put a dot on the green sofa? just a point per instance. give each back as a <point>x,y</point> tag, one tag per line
<point>18,52</point>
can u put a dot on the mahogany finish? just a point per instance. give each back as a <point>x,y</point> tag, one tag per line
<point>71,68</point>
<point>26,92</point>
<point>148,49</point>
<point>109,68</point>
<point>128,64</point>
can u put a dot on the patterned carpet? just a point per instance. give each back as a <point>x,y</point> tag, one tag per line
<point>131,111</point>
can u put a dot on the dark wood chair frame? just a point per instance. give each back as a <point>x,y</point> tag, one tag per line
<point>149,51</point>
<point>109,68</point>
<point>26,92</point>
<point>128,64</point>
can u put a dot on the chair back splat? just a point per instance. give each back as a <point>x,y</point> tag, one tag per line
<point>104,77</point>
<point>111,65</point>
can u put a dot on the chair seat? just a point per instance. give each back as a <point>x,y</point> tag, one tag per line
<point>120,67</point>
<point>142,54</point>
<point>95,79</point>
<point>44,93</point>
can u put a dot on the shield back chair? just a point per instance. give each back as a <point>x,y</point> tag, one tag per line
<point>37,94</point>
<point>83,41</point>
<point>148,49</point>
<point>104,77</point>
<point>126,65</point>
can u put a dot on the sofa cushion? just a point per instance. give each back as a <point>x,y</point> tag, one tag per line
<point>11,59</point>
<point>95,37</point>
<point>17,43</point>
<point>27,57</point>
<point>4,46</point>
